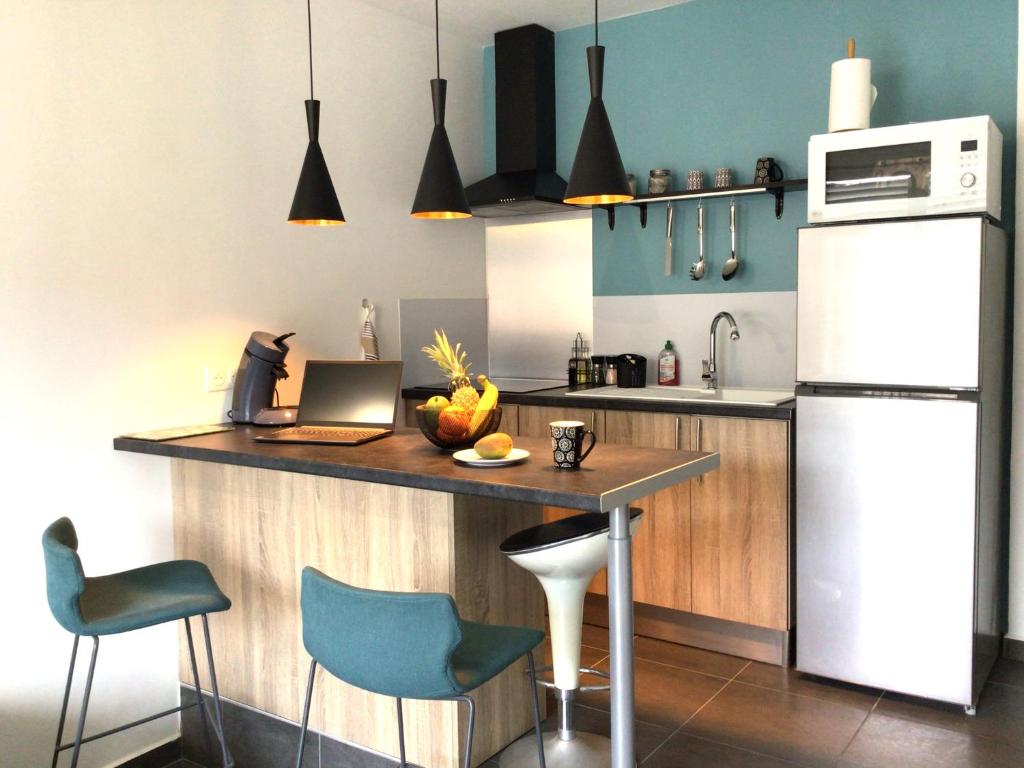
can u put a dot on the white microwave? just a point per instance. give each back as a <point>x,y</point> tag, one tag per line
<point>921,169</point>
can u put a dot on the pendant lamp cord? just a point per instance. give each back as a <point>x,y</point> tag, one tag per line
<point>595,22</point>
<point>309,24</point>
<point>437,38</point>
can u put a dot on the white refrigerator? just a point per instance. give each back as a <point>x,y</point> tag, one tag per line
<point>901,438</point>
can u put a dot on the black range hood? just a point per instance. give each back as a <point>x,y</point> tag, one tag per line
<point>524,95</point>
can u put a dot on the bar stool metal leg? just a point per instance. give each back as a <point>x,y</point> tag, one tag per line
<point>228,762</point>
<point>535,699</point>
<point>204,711</point>
<point>64,706</point>
<point>401,736</point>
<point>85,702</point>
<point>305,712</point>
<point>468,760</point>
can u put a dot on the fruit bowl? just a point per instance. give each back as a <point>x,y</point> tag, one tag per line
<point>441,430</point>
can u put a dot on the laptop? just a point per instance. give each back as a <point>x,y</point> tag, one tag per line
<point>344,402</point>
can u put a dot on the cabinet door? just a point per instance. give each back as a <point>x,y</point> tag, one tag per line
<point>534,419</point>
<point>740,522</point>
<point>533,422</point>
<point>661,545</point>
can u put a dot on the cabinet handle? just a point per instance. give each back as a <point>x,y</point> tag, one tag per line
<point>677,433</point>
<point>700,434</point>
<point>593,420</point>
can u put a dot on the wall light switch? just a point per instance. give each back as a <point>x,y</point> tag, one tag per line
<point>217,379</point>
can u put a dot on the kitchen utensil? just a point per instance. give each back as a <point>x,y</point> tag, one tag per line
<point>471,458</point>
<point>695,179</point>
<point>669,219</point>
<point>723,177</point>
<point>697,270</point>
<point>660,181</point>
<point>631,370</point>
<point>567,443</point>
<point>733,263</point>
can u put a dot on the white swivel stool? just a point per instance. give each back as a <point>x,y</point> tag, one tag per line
<point>564,555</point>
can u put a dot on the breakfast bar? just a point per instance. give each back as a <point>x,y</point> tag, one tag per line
<point>394,514</point>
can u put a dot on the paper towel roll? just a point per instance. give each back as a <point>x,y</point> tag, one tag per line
<point>851,95</point>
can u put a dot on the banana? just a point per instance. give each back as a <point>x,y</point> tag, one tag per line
<point>483,409</point>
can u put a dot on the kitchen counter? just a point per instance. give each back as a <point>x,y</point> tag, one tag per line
<point>393,514</point>
<point>558,398</point>
<point>611,476</point>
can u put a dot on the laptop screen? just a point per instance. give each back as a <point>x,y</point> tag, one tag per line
<point>350,393</point>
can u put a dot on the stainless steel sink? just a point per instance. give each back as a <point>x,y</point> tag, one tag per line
<point>732,395</point>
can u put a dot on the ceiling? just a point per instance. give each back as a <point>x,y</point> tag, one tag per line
<point>480,19</point>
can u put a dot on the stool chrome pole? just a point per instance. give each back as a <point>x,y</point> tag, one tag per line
<point>620,619</point>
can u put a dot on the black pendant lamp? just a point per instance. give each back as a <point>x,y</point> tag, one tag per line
<point>315,202</point>
<point>597,177</point>
<point>440,194</point>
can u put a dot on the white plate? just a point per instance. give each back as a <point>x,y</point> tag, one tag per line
<point>473,459</point>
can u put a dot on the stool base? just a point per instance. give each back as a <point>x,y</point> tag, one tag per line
<point>587,750</point>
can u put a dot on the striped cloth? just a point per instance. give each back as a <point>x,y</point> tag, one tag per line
<point>368,334</point>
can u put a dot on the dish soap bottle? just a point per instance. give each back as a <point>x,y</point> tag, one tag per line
<point>668,366</point>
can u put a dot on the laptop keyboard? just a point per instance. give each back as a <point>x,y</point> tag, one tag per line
<point>329,433</point>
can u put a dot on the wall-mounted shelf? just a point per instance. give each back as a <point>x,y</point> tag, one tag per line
<point>776,188</point>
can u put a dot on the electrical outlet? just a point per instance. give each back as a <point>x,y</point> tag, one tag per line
<point>217,379</point>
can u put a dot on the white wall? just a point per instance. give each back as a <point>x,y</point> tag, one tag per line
<point>150,152</point>
<point>1017,453</point>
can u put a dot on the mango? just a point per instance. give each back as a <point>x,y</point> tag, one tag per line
<point>496,446</point>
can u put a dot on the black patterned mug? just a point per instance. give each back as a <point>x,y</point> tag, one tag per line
<point>567,443</point>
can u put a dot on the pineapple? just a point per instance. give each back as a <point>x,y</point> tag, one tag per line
<point>452,363</point>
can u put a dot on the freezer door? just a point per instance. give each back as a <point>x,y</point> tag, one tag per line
<point>885,542</point>
<point>890,303</point>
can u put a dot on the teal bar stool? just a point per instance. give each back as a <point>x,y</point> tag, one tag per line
<point>121,602</point>
<point>409,646</point>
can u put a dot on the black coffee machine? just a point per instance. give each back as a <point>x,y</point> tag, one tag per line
<point>261,366</point>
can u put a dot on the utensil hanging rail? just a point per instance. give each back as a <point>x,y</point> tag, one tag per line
<point>776,188</point>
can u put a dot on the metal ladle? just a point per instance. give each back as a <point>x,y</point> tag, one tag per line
<point>732,264</point>
<point>697,270</point>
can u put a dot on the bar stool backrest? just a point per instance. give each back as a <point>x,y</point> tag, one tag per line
<point>65,579</point>
<point>393,643</point>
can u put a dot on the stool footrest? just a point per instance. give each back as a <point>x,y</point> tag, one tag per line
<point>120,728</point>
<point>583,688</point>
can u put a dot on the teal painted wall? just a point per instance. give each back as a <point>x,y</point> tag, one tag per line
<point>721,82</point>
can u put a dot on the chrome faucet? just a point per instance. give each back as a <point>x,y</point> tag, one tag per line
<point>710,374</point>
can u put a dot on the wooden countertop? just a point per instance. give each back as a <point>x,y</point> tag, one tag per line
<point>613,475</point>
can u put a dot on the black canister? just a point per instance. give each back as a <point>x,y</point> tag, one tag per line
<point>631,370</point>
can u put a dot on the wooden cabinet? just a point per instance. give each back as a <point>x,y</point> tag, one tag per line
<point>716,546</point>
<point>534,419</point>
<point>533,422</point>
<point>661,545</point>
<point>739,525</point>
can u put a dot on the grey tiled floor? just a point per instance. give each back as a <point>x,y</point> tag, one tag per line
<point>698,709</point>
